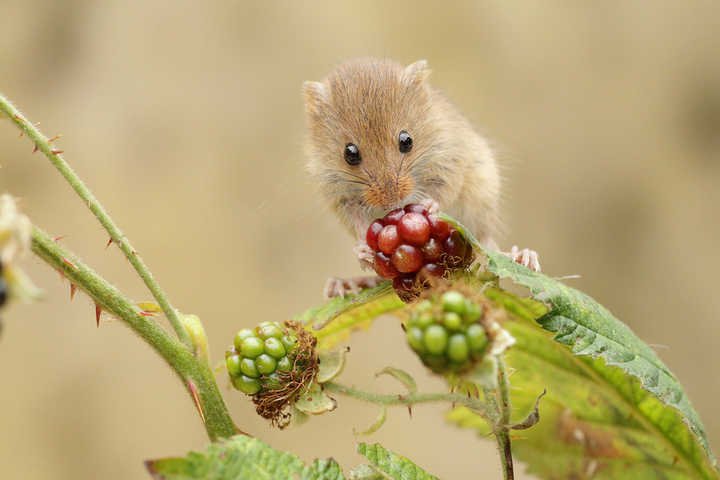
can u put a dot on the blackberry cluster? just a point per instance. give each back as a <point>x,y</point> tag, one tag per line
<point>412,246</point>
<point>259,356</point>
<point>447,335</point>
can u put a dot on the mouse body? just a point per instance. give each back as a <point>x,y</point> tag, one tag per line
<point>381,136</point>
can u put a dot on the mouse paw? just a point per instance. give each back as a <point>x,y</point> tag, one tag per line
<point>364,254</point>
<point>525,257</point>
<point>431,205</point>
<point>340,287</point>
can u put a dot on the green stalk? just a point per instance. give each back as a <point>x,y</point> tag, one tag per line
<point>471,403</point>
<point>191,370</point>
<point>44,146</point>
<point>502,433</point>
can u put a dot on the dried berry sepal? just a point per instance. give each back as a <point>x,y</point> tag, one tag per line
<point>274,397</point>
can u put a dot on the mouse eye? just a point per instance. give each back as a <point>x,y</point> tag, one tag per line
<point>404,142</point>
<point>352,154</point>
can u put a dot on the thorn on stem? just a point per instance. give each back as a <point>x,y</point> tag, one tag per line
<point>68,262</point>
<point>196,398</point>
<point>410,411</point>
<point>73,288</point>
<point>98,311</point>
<point>34,150</point>
<point>59,238</point>
<point>55,138</point>
<point>148,314</point>
<point>56,152</point>
<point>108,244</point>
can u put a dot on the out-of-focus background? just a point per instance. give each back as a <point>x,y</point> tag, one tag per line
<point>186,120</point>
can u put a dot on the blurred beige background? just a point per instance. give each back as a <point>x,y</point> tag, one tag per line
<point>186,120</point>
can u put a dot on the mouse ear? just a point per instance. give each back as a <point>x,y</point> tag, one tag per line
<point>315,95</point>
<point>416,73</point>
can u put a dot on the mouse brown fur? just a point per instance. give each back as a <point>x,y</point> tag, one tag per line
<point>369,103</point>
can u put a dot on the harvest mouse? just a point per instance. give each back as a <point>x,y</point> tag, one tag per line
<point>380,137</point>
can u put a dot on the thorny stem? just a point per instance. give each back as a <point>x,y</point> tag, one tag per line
<point>496,414</point>
<point>502,434</point>
<point>192,371</point>
<point>471,403</point>
<point>44,145</point>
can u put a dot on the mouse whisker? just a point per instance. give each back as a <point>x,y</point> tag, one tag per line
<point>372,178</point>
<point>341,176</point>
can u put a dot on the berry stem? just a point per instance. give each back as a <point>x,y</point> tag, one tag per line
<point>194,373</point>
<point>45,146</point>
<point>473,404</point>
<point>502,432</point>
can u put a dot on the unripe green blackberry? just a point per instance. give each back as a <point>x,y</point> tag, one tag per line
<point>446,331</point>
<point>265,364</point>
<point>435,339</point>
<point>285,364</point>
<point>477,338</point>
<point>273,362</point>
<point>252,347</point>
<point>248,385</point>
<point>242,335</point>
<point>247,367</point>
<point>233,365</point>
<point>274,348</point>
<point>260,355</point>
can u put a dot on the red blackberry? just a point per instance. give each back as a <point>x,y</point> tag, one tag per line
<point>413,246</point>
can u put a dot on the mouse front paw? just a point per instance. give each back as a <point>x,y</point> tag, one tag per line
<point>341,287</point>
<point>431,205</point>
<point>364,254</point>
<point>525,257</point>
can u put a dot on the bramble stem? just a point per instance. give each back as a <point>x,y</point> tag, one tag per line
<point>44,145</point>
<point>190,370</point>
<point>502,434</point>
<point>473,404</point>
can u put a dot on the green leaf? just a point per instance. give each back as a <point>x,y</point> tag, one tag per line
<point>314,401</point>
<point>375,426</point>
<point>367,472</point>
<point>333,322</point>
<point>242,457</point>
<point>396,466</point>
<point>402,376</point>
<point>331,365</point>
<point>635,394</point>
<point>595,421</point>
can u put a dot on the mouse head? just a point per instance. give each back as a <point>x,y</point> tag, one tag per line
<point>366,124</point>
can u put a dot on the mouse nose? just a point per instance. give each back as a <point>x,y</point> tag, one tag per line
<point>388,192</point>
